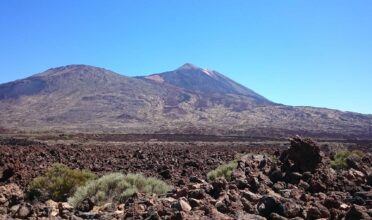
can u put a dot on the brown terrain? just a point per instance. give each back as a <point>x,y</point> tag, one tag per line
<point>178,126</point>
<point>188,100</point>
<point>275,179</point>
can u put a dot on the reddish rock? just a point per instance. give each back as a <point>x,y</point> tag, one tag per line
<point>303,153</point>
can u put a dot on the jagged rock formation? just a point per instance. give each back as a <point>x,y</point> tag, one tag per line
<point>258,189</point>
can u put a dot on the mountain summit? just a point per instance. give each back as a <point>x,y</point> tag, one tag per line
<point>196,79</point>
<point>189,99</point>
<point>188,66</point>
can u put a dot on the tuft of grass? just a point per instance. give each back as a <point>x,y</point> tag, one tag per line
<point>340,158</point>
<point>58,183</point>
<point>224,171</point>
<point>116,187</point>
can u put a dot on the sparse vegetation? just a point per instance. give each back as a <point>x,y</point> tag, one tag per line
<point>116,187</point>
<point>58,183</point>
<point>339,161</point>
<point>224,171</point>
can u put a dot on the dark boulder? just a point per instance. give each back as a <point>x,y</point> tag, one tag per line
<point>166,174</point>
<point>6,173</point>
<point>268,205</point>
<point>369,179</point>
<point>303,155</point>
<point>317,211</point>
<point>357,212</point>
<point>85,206</point>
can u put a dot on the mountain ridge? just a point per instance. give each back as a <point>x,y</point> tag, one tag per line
<point>189,99</point>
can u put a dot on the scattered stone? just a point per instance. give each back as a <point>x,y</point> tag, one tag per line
<point>218,185</point>
<point>6,173</point>
<point>10,194</point>
<point>276,175</point>
<point>357,212</point>
<point>250,196</point>
<point>195,202</point>
<point>243,215</point>
<point>292,189</point>
<point>24,211</point>
<point>318,211</point>
<point>197,194</point>
<point>291,209</point>
<point>166,174</point>
<point>276,216</point>
<point>183,205</point>
<point>54,207</point>
<point>294,177</point>
<point>194,179</point>
<point>369,179</point>
<point>88,215</point>
<point>268,205</point>
<point>85,206</point>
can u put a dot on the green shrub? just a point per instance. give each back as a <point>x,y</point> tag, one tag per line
<point>116,187</point>
<point>224,171</point>
<point>340,158</point>
<point>58,183</point>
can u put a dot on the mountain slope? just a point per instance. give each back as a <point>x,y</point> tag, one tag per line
<point>189,99</point>
<point>206,81</point>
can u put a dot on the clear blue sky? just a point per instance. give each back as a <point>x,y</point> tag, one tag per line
<point>298,52</point>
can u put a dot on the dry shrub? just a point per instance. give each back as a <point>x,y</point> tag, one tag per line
<point>116,187</point>
<point>58,183</point>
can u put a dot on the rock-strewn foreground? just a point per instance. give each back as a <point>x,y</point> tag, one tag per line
<point>297,183</point>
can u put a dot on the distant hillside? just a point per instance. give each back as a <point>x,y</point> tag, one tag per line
<point>81,98</point>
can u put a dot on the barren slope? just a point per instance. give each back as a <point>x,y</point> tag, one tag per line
<point>189,99</point>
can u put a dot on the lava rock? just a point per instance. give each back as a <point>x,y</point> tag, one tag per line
<point>293,177</point>
<point>183,205</point>
<point>6,174</point>
<point>197,194</point>
<point>276,175</point>
<point>268,205</point>
<point>369,179</point>
<point>318,211</point>
<point>24,211</point>
<point>303,153</point>
<point>194,179</point>
<point>291,209</point>
<point>357,212</point>
<point>85,206</point>
<point>166,174</point>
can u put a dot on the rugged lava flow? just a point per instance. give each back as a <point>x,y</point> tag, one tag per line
<point>297,183</point>
<point>171,161</point>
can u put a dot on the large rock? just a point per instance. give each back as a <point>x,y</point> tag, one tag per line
<point>303,155</point>
<point>357,212</point>
<point>268,205</point>
<point>10,194</point>
<point>24,211</point>
<point>6,173</point>
<point>291,209</point>
<point>317,211</point>
<point>183,205</point>
<point>85,206</point>
<point>369,179</point>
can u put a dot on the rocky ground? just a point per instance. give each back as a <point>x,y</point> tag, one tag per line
<point>269,183</point>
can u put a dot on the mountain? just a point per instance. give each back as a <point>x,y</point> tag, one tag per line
<point>189,99</point>
<point>195,79</point>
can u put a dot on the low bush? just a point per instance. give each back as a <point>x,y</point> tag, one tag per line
<point>58,183</point>
<point>116,187</point>
<point>339,161</point>
<point>224,171</point>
